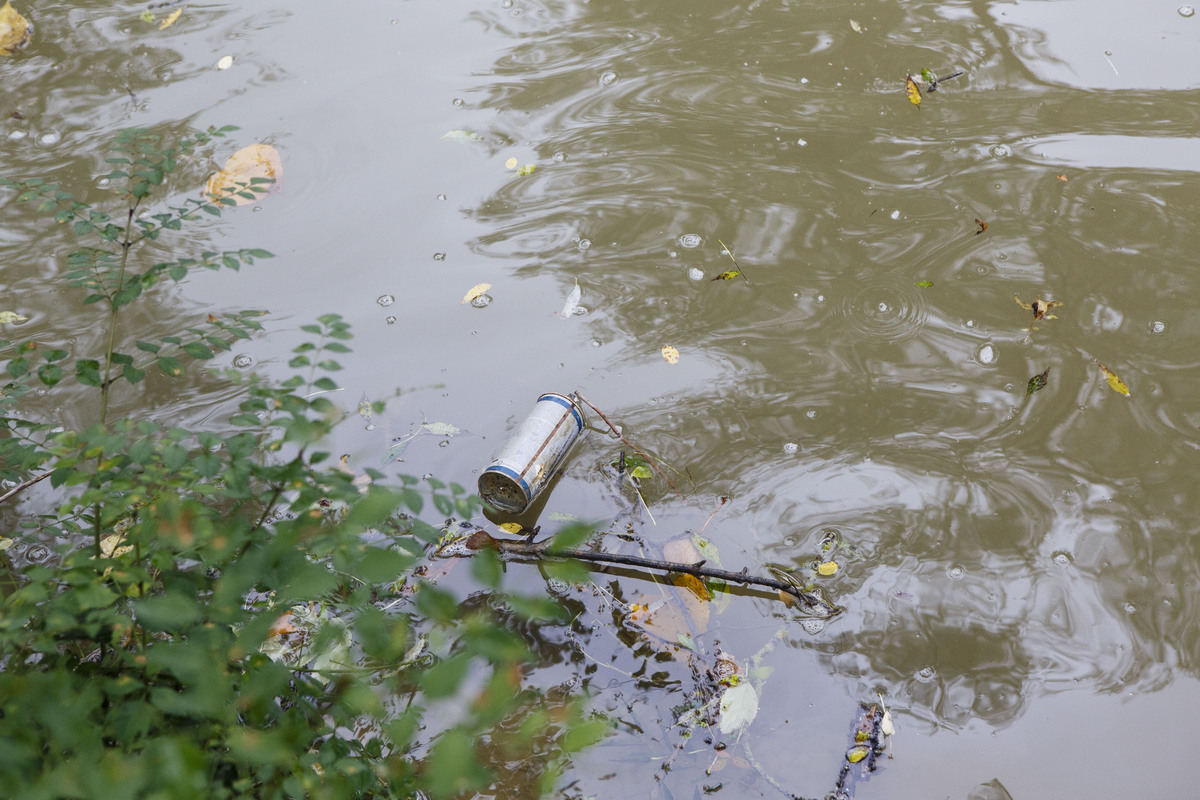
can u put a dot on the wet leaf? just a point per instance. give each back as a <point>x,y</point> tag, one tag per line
<point>1116,383</point>
<point>857,754</point>
<point>739,707</point>
<point>571,304</point>
<point>827,568</point>
<point>11,317</point>
<point>693,585</point>
<point>1039,307</point>
<point>924,284</point>
<point>913,92</point>
<point>146,16</point>
<point>527,169</point>
<point>885,726</point>
<point>441,428</point>
<point>475,291</point>
<point>256,161</point>
<point>1037,382</point>
<point>225,63</point>
<point>170,20</point>
<point>1062,178</point>
<point>724,276</point>
<point>982,226</point>
<point>670,354</point>
<point>364,409</point>
<point>928,76</point>
<point>511,527</point>
<point>855,26</point>
<point>511,163</point>
<point>460,136</point>
<point>15,30</point>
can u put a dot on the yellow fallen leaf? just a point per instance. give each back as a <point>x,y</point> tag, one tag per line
<point>15,30</point>
<point>511,527</point>
<point>857,754</point>
<point>170,20</point>
<point>225,63</point>
<point>693,585</point>
<point>510,164</point>
<point>913,92</point>
<point>1116,383</point>
<point>857,28</point>
<point>252,162</point>
<point>827,568</point>
<point>670,354</point>
<point>475,291</point>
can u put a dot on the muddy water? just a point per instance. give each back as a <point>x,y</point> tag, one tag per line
<point>1019,574</point>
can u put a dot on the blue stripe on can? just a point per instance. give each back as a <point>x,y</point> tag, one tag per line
<point>566,403</point>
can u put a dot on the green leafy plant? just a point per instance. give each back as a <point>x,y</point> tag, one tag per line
<point>229,612</point>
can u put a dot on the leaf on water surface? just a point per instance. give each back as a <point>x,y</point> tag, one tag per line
<point>1037,382</point>
<point>827,568</point>
<point>513,528</point>
<point>855,26</point>
<point>170,20</point>
<point>225,63</point>
<point>459,136</point>
<point>670,354</point>
<point>739,707</point>
<point>441,428</point>
<point>364,409</point>
<point>886,727</point>
<point>913,92</point>
<point>982,226</point>
<point>858,753</point>
<point>1062,178</point>
<point>724,276</point>
<point>11,317</point>
<point>571,305</point>
<point>256,161</point>
<point>15,30</point>
<point>1041,308</point>
<point>475,291</point>
<point>146,16</point>
<point>527,169</point>
<point>511,163</point>
<point>928,76</point>
<point>924,284</point>
<point>1116,383</point>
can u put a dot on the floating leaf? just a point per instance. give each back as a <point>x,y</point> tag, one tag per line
<point>1062,178</point>
<point>10,317</point>
<point>739,707</point>
<point>527,169</point>
<point>693,585</point>
<point>146,16</point>
<point>686,640</point>
<point>670,354</point>
<point>170,20</point>
<point>475,291</point>
<point>511,527</point>
<point>1116,383</point>
<point>1041,308</point>
<point>511,163</point>
<point>571,305</point>
<point>724,276</point>
<point>365,411</point>
<point>827,568</point>
<point>924,284</point>
<point>460,136</point>
<point>982,226</point>
<point>928,77</point>
<point>225,63</point>
<point>15,30</point>
<point>855,26</point>
<point>857,754</point>
<point>1037,382</point>
<point>247,166</point>
<point>913,92</point>
<point>441,428</point>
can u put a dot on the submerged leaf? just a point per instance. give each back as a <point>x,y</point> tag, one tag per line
<point>928,76</point>
<point>670,354</point>
<point>857,754</point>
<point>460,136</point>
<point>1037,382</point>
<point>739,707</point>
<point>170,20</point>
<point>913,92</point>
<point>15,30</point>
<point>249,166</point>
<point>1116,383</point>
<point>527,169</point>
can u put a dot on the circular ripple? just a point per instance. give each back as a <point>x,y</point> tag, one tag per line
<point>881,308</point>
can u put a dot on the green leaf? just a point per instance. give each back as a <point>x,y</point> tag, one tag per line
<point>83,227</point>
<point>50,374</point>
<point>198,350</point>
<point>87,372</point>
<point>170,366</point>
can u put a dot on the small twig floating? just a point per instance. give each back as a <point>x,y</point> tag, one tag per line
<point>813,604</point>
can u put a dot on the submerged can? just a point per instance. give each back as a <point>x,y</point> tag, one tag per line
<point>531,456</point>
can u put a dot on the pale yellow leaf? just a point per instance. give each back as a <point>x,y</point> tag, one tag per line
<point>857,28</point>
<point>225,63</point>
<point>10,317</point>
<point>1116,383</point>
<point>827,568</point>
<point>739,707</point>
<point>511,527</point>
<point>511,163</point>
<point>670,354</point>
<point>15,30</point>
<point>170,20</point>
<point>251,162</point>
<point>913,91</point>
<point>475,291</point>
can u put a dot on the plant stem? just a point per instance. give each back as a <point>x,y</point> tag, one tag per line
<point>114,310</point>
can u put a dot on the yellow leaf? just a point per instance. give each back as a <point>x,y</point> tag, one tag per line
<point>510,164</point>
<point>511,527</point>
<point>170,20</point>
<point>692,584</point>
<point>475,291</point>
<point>914,93</point>
<point>233,181</point>
<point>827,568</point>
<point>225,63</point>
<point>1116,383</point>
<point>15,30</point>
<point>857,754</point>
<point>724,276</point>
<point>670,354</point>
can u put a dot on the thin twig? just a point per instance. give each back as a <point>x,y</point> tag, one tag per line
<point>20,487</point>
<point>632,446</point>
<point>545,549</point>
<point>729,252</point>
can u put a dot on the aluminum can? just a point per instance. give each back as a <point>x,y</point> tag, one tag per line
<point>532,454</point>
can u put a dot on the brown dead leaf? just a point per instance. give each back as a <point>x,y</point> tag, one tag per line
<point>281,626</point>
<point>257,165</point>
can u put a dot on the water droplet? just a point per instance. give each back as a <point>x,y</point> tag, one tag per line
<point>608,78</point>
<point>812,626</point>
<point>820,298</point>
<point>1000,151</point>
<point>691,240</point>
<point>1158,327</point>
<point>695,274</point>
<point>241,361</point>
<point>791,448</point>
<point>390,320</point>
<point>584,245</point>
<point>1062,558</point>
<point>385,300</point>
<point>439,256</point>
<point>986,354</point>
<point>956,573</point>
<point>483,301</point>
<point>1187,11</point>
<point>896,214</point>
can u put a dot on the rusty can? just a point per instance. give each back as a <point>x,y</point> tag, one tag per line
<point>532,454</point>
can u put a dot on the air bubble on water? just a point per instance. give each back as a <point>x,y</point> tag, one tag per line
<point>459,102</point>
<point>969,323</point>
<point>802,142</point>
<point>1187,11</point>
<point>441,197</point>
<point>1130,608</point>
<point>18,134</point>
<point>673,253</point>
<point>811,413</point>
<point>444,443</point>
<point>584,245</point>
<point>608,78</point>
<point>557,586</point>
<point>695,274</point>
<point>559,157</point>
<point>820,298</point>
<point>804,80</point>
<point>242,360</point>
<point>925,674</point>
<point>50,138</point>
<point>986,354</point>
<point>896,214</point>
<point>691,240</point>
<point>483,301</point>
<point>103,183</point>
<point>390,320</point>
<point>956,573</point>
<point>812,626</point>
<point>1000,151</point>
<point>439,256</point>
<point>791,448</point>
<point>455,549</point>
<point>596,343</point>
<point>385,300</point>
<point>1062,558</point>
<point>1158,326</point>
